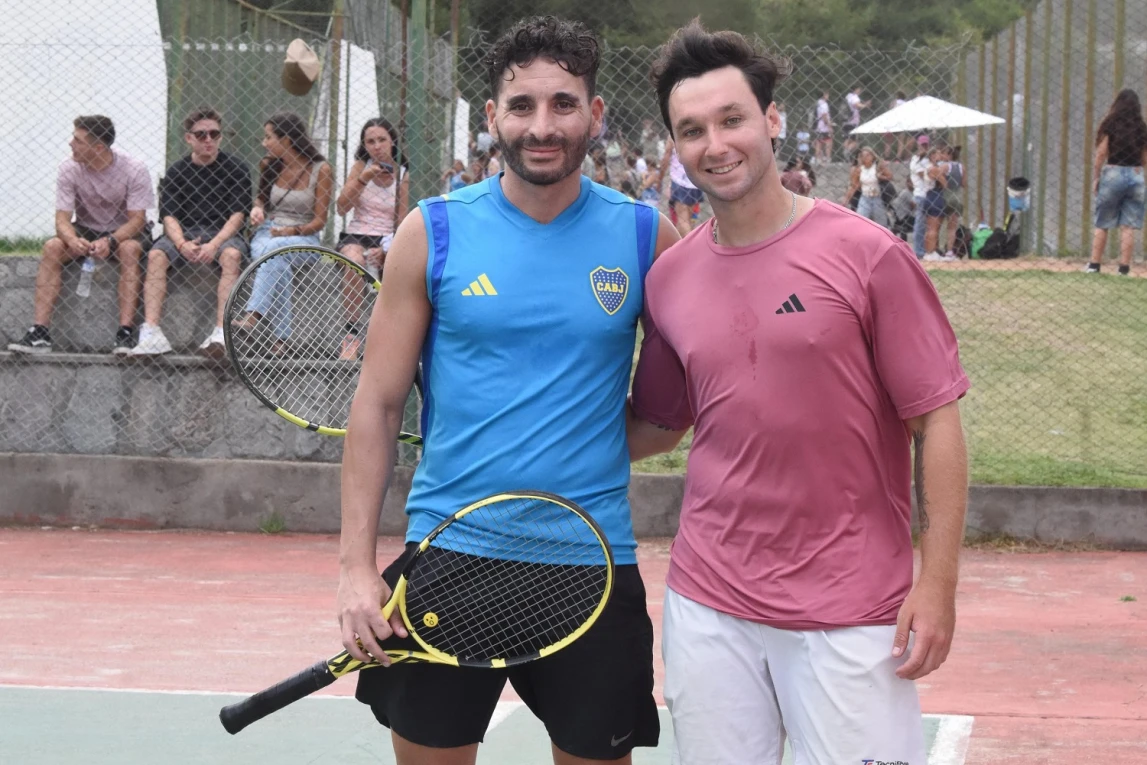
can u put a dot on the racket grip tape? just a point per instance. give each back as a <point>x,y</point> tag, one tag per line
<point>238,716</point>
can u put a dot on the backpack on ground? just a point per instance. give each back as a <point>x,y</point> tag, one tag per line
<point>1002,243</point>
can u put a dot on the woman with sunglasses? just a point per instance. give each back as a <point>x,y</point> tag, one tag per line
<point>377,192</point>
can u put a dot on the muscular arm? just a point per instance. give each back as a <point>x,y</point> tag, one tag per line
<point>397,329</point>
<point>941,478</point>
<point>646,439</point>
<point>136,220</point>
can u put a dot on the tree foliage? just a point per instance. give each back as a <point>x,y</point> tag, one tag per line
<point>849,24</point>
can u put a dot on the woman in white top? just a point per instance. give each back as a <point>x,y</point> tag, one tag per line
<point>377,190</point>
<point>867,175</point>
<point>295,185</point>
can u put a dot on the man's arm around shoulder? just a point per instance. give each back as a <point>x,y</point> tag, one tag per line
<point>646,439</point>
<point>394,341</point>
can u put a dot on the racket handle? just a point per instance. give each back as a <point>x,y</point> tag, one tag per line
<point>238,716</point>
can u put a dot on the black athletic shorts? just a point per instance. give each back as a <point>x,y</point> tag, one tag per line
<point>594,696</point>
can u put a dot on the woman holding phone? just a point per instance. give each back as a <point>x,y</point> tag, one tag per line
<point>377,191</point>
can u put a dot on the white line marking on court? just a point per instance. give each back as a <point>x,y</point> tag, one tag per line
<point>502,712</point>
<point>949,748</point>
<point>19,686</point>
<point>952,738</point>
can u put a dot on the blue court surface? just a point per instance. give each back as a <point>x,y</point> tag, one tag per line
<point>100,727</point>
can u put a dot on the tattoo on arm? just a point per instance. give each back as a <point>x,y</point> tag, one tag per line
<point>918,479</point>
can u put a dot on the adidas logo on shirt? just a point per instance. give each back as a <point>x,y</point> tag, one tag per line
<point>792,305</point>
<point>483,286</point>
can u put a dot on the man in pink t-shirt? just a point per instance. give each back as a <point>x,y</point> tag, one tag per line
<point>808,349</point>
<point>102,199</point>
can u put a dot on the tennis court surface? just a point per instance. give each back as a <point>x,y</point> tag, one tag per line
<point>120,647</point>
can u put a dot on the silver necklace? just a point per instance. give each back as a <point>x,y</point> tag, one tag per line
<point>789,222</point>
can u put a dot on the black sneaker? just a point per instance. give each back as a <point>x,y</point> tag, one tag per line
<point>1091,268</point>
<point>1125,270</point>
<point>35,340</point>
<point>123,343</point>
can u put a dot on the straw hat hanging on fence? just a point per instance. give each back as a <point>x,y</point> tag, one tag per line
<point>300,69</point>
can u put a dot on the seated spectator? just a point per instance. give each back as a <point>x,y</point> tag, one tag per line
<point>295,185</point>
<point>203,201</point>
<point>108,193</point>
<point>378,191</point>
<point>794,179</point>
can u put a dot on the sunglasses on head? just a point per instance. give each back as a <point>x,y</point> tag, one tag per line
<point>203,135</point>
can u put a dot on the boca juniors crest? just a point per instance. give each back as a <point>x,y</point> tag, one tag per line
<point>610,286</point>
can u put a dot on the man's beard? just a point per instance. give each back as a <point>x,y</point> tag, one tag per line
<point>573,152</point>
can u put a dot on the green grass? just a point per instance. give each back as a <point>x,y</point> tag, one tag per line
<point>21,246</point>
<point>273,523</point>
<point>1058,363</point>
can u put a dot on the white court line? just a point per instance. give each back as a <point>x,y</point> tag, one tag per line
<point>952,738</point>
<point>147,690</point>
<point>950,746</point>
<point>503,711</point>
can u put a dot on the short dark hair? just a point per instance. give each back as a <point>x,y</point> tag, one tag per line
<point>202,113</point>
<point>692,52</point>
<point>99,127</point>
<point>570,44</point>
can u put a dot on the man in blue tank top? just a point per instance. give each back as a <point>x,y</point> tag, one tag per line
<point>520,296</point>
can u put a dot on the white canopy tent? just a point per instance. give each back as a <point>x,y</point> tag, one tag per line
<point>927,113</point>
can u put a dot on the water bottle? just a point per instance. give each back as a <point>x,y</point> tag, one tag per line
<point>84,288</point>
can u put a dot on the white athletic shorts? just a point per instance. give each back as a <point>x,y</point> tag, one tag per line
<point>736,689</point>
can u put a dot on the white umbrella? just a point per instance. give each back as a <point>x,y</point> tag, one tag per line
<point>926,113</point>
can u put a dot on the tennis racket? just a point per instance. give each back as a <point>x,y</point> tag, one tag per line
<point>506,580</point>
<point>295,326</point>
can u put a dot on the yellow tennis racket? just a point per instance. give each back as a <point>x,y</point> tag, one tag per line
<point>506,580</point>
<point>295,327</point>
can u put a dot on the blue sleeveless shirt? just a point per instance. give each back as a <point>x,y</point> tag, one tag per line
<point>527,359</point>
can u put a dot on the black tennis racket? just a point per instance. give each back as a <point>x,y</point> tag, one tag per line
<point>506,580</point>
<point>295,327</point>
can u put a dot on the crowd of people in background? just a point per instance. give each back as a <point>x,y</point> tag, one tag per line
<point>210,214</point>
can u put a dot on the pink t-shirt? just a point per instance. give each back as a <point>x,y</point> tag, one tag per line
<point>798,360</point>
<point>101,200</point>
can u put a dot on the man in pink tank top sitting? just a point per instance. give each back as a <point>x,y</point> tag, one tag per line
<point>808,349</point>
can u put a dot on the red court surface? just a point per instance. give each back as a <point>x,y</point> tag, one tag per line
<point>1049,660</point>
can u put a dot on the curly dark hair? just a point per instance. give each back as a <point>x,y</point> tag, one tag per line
<point>570,44</point>
<point>692,52</point>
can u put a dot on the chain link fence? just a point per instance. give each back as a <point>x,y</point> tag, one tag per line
<point>1058,356</point>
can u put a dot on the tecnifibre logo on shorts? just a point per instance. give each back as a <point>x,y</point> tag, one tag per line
<point>883,762</point>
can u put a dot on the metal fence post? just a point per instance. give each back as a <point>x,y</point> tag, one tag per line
<point>1086,230</point>
<point>1045,119</point>
<point>1064,127</point>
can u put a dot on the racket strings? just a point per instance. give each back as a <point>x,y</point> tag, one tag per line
<point>507,580</point>
<point>291,337</point>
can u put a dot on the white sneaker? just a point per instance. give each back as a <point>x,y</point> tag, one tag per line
<point>949,257</point>
<point>152,342</point>
<point>214,345</point>
<point>933,257</point>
